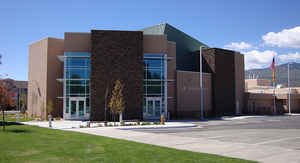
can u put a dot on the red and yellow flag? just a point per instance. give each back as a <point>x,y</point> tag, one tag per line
<point>273,68</point>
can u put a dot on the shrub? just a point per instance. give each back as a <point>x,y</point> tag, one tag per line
<point>122,123</point>
<point>156,123</point>
<point>146,123</point>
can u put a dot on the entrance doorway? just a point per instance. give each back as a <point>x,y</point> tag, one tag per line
<point>153,108</point>
<point>77,108</point>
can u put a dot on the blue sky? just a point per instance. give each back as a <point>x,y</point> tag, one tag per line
<point>242,25</point>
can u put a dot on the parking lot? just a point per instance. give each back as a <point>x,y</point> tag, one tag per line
<point>268,132</point>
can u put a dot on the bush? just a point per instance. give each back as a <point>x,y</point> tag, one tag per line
<point>146,123</point>
<point>156,123</point>
<point>122,123</point>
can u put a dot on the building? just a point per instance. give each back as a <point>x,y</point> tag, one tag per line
<point>260,98</point>
<point>158,65</point>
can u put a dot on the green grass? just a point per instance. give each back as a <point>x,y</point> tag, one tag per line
<point>12,118</point>
<point>22,143</point>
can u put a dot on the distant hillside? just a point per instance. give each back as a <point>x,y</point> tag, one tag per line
<point>281,74</point>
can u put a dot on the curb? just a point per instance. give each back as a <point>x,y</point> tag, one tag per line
<point>156,127</point>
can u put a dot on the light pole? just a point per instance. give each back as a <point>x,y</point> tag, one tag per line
<point>201,84</point>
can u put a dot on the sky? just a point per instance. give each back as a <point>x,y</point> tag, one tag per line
<point>259,29</point>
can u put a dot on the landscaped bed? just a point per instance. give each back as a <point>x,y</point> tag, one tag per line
<point>22,143</point>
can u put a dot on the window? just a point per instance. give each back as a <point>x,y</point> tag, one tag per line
<point>77,77</point>
<point>154,77</point>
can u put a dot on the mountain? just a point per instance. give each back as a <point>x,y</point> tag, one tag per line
<point>281,73</point>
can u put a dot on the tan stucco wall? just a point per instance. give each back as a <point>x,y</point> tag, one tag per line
<point>239,82</point>
<point>37,75</point>
<point>158,44</point>
<point>263,103</point>
<point>259,103</point>
<point>55,71</point>
<point>253,83</point>
<point>155,44</point>
<point>77,42</point>
<point>171,71</point>
<point>43,69</point>
<point>188,94</point>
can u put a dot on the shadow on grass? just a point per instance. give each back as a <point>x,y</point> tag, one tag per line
<point>10,123</point>
<point>7,129</point>
<point>18,131</point>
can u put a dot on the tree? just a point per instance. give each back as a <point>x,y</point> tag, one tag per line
<point>117,103</point>
<point>23,102</point>
<point>105,100</point>
<point>6,100</point>
<point>50,107</point>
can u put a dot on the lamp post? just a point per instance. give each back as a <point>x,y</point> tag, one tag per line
<point>201,84</point>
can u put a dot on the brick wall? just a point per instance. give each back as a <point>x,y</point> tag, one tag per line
<point>117,55</point>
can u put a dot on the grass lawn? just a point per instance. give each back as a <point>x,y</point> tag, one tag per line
<point>12,117</point>
<point>22,143</point>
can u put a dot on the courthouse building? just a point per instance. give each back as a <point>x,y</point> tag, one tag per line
<point>158,66</point>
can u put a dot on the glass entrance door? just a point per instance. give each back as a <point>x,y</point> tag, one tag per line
<point>73,107</point>
<point>77,107</point>
<point>153,108</point>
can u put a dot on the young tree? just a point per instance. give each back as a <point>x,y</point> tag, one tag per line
<point>6,100</point>
<point>50,107</point>
<point>117,103</point>
<point>23,102</point>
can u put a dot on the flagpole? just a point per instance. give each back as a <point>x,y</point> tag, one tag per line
<point>274,95</point>
<point>289,88</point>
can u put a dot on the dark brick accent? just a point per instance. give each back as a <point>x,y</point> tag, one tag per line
<point>224,86</point>
<point>220,63</point>
<point>117,55</point>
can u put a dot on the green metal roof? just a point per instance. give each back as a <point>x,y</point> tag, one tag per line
<point>185,44</point>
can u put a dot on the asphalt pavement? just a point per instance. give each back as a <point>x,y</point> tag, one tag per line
<point>278,131</point>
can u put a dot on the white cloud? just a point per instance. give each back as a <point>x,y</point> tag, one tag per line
<point>287,38</point>
<point>260,59</point>
<point>238,46</point>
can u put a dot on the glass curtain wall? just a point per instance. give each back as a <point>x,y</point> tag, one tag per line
<point>154,85</point>
<point>77,82</point>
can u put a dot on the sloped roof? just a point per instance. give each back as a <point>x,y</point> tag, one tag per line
<point>167,29</point>
<point>185,44</point>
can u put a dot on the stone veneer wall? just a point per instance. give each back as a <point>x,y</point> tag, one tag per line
<point>117,55</point>
<point>221,63</point>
